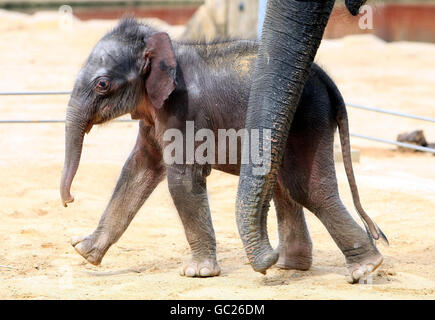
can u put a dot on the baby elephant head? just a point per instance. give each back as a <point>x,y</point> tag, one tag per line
<point>130,67</point>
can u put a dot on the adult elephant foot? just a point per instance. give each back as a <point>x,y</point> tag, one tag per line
<point>359,267</point>
<point>89,248</point>
<point>207,267</point>
<point>295,257</point>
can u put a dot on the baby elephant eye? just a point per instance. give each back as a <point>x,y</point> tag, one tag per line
<point>102,85</point>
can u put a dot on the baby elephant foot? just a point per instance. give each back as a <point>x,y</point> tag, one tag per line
<point>295,258</point>
<point>86,247</point>
<point>201,268</point>
<point>358,271</point>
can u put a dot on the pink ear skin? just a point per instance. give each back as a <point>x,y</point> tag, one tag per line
<point>160,59</point>
<point>146,65</point>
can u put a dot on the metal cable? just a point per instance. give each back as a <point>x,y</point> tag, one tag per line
<point>395,113</point>
<point>401,144</point>
<point>353,105</point>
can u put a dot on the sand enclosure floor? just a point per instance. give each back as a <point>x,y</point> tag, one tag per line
<point>37,261</point>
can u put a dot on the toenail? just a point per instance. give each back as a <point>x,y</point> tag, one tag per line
<point>204,272</point>
<point>357,274</point>
<point>190,272</point>
<point>75,240</point>
<point>350,279</point>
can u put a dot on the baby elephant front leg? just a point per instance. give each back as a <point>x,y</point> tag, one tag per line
<point>187,185</point>
<point>141,173</point>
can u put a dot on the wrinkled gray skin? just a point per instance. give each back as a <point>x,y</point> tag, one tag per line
<point>210,86</point>
<point>291,34</point>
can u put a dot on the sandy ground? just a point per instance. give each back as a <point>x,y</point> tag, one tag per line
<point>37,261</point>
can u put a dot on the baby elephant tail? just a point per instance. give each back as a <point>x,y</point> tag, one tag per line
<point>343,128</point>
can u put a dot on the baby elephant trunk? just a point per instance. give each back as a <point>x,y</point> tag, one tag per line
<point>75,129</point>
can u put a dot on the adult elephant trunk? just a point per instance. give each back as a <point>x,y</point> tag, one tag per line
<point>75,128</point>
<point>291,35</point>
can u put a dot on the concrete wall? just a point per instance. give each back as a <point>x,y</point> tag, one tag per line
<point>223,18</point>
<point>242,18</point>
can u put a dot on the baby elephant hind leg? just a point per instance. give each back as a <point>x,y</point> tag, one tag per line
<point>361,255</point>
<point>187,185</point>
<point>295,247</point>
<point>320,196</point>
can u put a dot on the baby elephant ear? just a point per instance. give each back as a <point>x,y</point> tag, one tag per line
<point>162,64</point>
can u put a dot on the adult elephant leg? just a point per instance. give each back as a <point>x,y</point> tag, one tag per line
<point>292,32</point>
<point>187,185</point>
<point>295,247</point>
<point>141,173</point>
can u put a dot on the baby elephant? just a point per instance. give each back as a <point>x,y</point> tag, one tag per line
<point>166,84</point>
